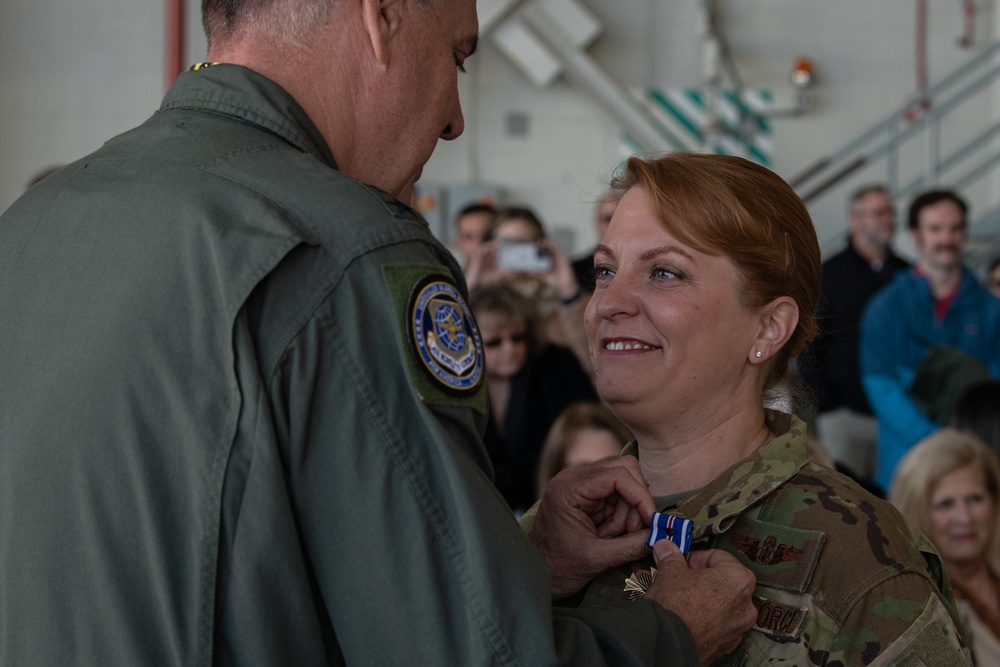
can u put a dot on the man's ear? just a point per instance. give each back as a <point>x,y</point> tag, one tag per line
<point>778,320</point>
<point>381,20</point>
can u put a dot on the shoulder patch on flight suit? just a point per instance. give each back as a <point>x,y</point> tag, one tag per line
<point>445,350</point>
<point>779,556</point>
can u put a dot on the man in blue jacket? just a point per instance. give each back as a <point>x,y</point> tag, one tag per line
<point>938,303</point>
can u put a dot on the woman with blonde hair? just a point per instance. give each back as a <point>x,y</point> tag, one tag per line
<point>947,485</point>
<point>583,433</point>
<point>529,382</point>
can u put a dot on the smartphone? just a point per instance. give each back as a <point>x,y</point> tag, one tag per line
<point>525,257</point>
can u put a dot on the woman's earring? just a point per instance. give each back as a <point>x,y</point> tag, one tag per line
<point>758,354</point>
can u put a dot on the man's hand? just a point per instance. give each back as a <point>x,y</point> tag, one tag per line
<point>591,518</point>
<point>561,276</point>
<point>711,594</point>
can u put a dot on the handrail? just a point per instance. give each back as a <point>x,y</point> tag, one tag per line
<point>887,124</point>
<point>894,142</point>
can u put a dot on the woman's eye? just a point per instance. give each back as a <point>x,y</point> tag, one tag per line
<point>661,273</point>
<point>943,505</point>
<point>601,271</point>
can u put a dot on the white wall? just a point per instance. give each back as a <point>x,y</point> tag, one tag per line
<point>864,56</point>
<point>73,74</point>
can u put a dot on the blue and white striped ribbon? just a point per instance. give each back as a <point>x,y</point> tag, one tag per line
<point>673,528</point>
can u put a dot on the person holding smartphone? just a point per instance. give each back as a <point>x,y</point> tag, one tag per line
<point>516,250</point>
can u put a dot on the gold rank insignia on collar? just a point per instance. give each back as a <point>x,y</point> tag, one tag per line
<point>198,66</point>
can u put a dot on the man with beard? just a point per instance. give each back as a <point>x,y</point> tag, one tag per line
<point>938,305</point>
<point>844,420</point>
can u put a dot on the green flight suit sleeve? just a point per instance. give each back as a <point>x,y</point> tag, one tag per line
<point>416,556</point>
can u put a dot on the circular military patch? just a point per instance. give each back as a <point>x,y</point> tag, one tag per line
<point>446,340</point>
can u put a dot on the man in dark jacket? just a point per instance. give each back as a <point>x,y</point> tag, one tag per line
<point>844,421</point>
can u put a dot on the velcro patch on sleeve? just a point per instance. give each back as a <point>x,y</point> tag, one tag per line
<point>445,352</point>
<point>779,556</point>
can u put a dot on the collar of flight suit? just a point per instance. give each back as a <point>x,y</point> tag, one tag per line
<point>242,93</point>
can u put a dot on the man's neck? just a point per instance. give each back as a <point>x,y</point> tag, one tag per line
<point>942,280</point>
<point>873,253</point>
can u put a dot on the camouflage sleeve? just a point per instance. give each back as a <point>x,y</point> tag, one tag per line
<point>902,621</point>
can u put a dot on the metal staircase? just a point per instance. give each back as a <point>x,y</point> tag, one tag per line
<point>949,136</point>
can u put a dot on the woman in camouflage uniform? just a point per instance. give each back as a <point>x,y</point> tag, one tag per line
<point>707,286</point>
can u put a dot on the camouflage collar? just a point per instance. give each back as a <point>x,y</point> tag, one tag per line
<point>717,505</point>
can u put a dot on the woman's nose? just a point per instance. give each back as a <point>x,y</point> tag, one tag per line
<point>616,298</point>
<point>963,514</point>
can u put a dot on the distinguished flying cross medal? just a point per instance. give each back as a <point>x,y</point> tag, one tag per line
<point>663,527</point>
<point>673,528</point>
<point>446,340</point>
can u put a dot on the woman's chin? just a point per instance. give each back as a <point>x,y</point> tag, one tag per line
<point>626,403</point>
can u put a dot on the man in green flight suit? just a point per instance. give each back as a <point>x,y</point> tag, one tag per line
<point>241,392</point>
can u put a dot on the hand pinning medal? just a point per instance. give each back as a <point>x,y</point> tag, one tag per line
<point>663,527</point>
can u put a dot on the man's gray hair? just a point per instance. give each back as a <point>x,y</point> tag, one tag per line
<point>285,22</point>
<point>865,190</point>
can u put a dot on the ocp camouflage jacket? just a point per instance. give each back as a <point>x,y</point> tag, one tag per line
<point>842,577</point>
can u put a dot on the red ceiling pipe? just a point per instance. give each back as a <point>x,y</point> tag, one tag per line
<point>175,41</point>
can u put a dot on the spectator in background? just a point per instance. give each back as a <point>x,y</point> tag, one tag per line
<point>844,421</point>
<point>554,289</point>
<point>584,266</point>
<point>993,277</point>
<point>936,305</point>
<point>947,485</point>
<point>470,228</point>
<point>977,411</point>
<point>529,381</point>
<point>584,432</point>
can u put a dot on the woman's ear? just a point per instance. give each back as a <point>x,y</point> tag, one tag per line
<point>381,20</point>
<point>778,320</point>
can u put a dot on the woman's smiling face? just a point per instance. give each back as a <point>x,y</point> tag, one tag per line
<point>666,326</point>
<point>961,516</point>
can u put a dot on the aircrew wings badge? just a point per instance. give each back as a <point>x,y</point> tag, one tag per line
<point>446,340</point>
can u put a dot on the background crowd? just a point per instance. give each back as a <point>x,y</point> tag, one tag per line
<point>899,384</point>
